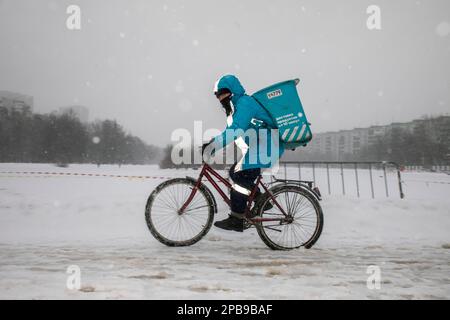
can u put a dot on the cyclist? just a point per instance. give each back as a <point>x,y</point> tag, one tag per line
<point>244,114</point>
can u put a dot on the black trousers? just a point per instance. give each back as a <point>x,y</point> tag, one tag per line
<point>244,182</point>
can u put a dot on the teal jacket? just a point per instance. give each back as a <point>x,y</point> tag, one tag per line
<point>250,127</point>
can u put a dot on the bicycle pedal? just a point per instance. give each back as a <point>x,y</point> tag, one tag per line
<point>248,225</point>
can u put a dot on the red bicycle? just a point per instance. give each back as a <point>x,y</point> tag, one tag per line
<point>180,212</point>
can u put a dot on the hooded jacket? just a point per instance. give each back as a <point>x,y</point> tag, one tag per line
<point>250,127</point>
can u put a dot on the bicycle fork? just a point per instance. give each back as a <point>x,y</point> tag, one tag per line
<point>182,210</point>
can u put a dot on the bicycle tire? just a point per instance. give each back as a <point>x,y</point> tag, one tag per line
<point>149,210</point>
<point>318,212</point>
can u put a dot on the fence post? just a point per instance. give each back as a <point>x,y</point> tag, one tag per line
<point>371,180</point>
<point>314,173</point>
<point>299,171</point>
<point>356,176</point>
<point>328,179</point>
<point>385,180</point>
<point>399,177</point>
<point>342,176</point>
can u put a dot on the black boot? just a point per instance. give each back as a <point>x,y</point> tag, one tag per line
<point>259,195</point>
<point>234,222</point>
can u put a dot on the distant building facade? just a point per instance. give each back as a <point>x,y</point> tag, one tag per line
<point>80,112</point>
<point>15,102</point>
<point>335,146</point>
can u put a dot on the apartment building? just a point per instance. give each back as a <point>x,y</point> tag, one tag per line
<point>15,102</point>
<point>339,144</point>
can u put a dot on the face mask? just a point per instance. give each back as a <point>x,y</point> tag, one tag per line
<point>227,105</point>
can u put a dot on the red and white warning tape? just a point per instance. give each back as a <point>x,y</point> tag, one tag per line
<point>49,174</point>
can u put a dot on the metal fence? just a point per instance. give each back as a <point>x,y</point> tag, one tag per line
<point>436,168</point>
<point>387,176</point>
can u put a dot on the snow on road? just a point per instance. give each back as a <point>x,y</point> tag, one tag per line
<point>48,223</point>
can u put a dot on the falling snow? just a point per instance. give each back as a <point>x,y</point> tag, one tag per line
<point>179,88</point>
<point>185,105</point>
<point>443,29</point>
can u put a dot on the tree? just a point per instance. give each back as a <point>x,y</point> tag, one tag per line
<point>53,138</point>
<point>166,162</point>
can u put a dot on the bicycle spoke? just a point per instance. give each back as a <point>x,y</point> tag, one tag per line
<point>168,199</point>
<point>299,234</point>
<point>304,232</point>
<point>300,209</point>
<point>195,208</point>
<point>298,205</point>
<point>271,228</point>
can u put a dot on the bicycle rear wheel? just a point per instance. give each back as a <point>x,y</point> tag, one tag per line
<point>164,221</point>
<point>305,223</point>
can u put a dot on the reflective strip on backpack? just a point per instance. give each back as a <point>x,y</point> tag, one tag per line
<point>300,136</point>
<point>285,134</point>
<point>307,135</point>
<point>293,134</point>
<point>304,132</point>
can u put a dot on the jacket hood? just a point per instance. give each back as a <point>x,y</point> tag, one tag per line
<point>233,84</point>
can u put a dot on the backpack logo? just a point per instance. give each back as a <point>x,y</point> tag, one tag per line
<point>274,94</point>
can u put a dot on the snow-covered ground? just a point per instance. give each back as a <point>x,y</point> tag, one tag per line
<point>48,223</point>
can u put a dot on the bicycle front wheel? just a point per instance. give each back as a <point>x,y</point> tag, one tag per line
<point>174,229</point>
<point>300,228</point>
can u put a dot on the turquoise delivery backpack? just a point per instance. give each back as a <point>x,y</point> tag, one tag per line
<point>283,103</point>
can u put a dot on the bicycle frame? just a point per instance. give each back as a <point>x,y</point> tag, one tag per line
<point>209,173</point>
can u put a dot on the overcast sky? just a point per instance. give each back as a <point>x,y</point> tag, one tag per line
<point>152,64</point>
